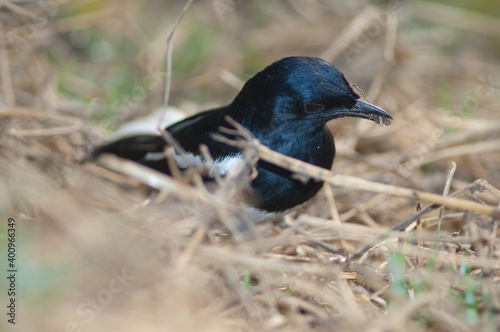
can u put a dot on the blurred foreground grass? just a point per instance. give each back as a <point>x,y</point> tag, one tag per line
<point>96,251</point>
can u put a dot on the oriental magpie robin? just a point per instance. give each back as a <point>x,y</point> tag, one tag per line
<point>286,106</point>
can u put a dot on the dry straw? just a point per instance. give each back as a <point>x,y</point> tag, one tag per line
<point>126,248</point>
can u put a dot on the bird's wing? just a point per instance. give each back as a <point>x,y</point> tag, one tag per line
<point>137,148</point>
<point>149,149</point>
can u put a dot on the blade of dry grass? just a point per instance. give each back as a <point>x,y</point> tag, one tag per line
<point>327,176</point>
<point>446,190</point>
<point>462,150</point>
<point>149,176</point>
<point>357,27</point>
<point>456,16</point>
<point>168,82</point>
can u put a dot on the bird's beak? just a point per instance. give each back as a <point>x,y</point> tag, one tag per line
<point>367,111</point>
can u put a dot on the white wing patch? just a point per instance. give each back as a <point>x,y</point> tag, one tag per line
<point>186,160</point>
<point>148,125</point>
<point>225,165</point>
<point>155,156</point>
<point>222,166</point>
<point>258,215</point>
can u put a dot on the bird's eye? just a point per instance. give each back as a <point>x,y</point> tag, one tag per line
<point>313,108</point>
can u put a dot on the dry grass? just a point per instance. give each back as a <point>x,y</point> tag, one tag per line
<point>100,250</point>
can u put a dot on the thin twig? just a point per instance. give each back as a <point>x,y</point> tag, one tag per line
<point>168,81</point>
<point>462,150</point>
<point>211,163</point>
<point>327,176</point>
<point>389,49</point>
<point>476,185</point>
<point>458,17</point>
<point>334,213</point>
<point>168,68</point>
<point>352,32</point>
<point>16,112</point>
<point>447,186</point>
<point>420,241</point>
<point>149,176</point>
<point>45,132</point>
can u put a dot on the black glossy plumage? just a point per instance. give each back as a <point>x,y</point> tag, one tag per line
<point>286,106</point>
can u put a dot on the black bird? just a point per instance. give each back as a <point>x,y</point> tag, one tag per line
<point>286,106</point>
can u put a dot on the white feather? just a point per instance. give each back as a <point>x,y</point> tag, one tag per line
<point>186,160</point>
<point>225,165</point>
<point>154,156</point>
<point>148,125</point>
<point>222,166</point>
<point>258,216</point>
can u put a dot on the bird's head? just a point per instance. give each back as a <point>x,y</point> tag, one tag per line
<point>302,93</point>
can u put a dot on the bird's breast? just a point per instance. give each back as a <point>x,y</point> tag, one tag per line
<point>316,148</point>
